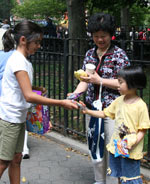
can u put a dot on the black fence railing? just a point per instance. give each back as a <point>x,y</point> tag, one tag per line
<point>54,65</point>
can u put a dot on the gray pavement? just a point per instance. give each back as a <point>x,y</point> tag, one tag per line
<point>52,162</point>
<point>55,159</point>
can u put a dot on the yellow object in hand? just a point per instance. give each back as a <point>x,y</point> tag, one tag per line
<point>23,179</point>
<point>80,73</point>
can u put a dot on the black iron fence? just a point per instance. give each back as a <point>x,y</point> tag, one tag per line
<point>54,65</point>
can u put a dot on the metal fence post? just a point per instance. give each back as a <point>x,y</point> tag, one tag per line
<point>66,41</point>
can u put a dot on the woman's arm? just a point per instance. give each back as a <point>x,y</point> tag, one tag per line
<point>96,79</point>
<point>110,83</point>
<point>31,97</point>
<point>82,87</point>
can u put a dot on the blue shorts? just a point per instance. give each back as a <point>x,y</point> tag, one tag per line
<point>128,170</point>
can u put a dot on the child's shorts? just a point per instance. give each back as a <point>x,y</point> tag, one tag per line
<point>128,170</point>
<point>11,139</point>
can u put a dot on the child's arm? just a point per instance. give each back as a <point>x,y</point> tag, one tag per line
<point>140,135</point>
<point>134,139</point>
<point>94,113</point>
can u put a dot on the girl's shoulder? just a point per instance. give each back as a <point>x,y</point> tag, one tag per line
<point>141,102</point>
<point>118,100</point>
<point>17,59</point>
<point>17,55</point>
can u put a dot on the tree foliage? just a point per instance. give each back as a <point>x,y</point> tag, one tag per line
<point>111,4</point>
<point>139,16</point>
<point>138,9</point>
<point>32,9</point>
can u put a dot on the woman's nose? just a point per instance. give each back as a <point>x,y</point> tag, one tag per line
<point>99,39</point>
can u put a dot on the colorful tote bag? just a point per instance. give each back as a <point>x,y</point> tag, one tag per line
<point>38,115</point>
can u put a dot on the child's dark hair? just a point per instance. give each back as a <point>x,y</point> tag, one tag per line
<point>30,30</point>
<point>101,22</point>
<point>134,77</point>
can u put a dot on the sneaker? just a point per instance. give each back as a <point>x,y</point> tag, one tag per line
<point>26,156</point>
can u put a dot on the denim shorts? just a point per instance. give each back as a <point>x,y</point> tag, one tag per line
<point>128,170</point>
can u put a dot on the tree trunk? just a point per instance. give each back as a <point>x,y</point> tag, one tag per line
<point>5,7</point>
<point>76,15</point>
<point>77,31</point>
<point>125,21</point>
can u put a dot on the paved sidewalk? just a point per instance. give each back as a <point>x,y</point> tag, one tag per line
<point>54,163</point>
<point>56,159</point>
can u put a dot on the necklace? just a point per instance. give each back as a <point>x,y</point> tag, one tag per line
<point>100,54</point>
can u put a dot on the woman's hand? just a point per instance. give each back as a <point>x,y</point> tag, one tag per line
<point>68,94</point>
<point>92,78</point>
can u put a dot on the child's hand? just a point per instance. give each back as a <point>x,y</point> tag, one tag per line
<point>83,107</point>
<point>131,140</point>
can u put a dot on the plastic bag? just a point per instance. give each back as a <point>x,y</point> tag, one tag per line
<point>121,148</point>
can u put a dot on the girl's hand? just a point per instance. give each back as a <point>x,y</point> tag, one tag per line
<point>69,104</point>
<point>128,147</point>
<point>92,78</point>
<point>135,138</point>
<point>131,140</point>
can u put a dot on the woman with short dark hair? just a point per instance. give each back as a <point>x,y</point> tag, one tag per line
<point>108,59</point>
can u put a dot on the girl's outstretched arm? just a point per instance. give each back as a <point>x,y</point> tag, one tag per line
<point>94,113</point>
<point>31,97</point>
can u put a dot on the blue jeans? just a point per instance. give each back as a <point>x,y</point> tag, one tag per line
<point>125,168</point>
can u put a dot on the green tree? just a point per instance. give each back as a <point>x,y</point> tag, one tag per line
<point>137,15</point>
<point>116,6</point>
<point>33,9</point>
<point>125,11</point>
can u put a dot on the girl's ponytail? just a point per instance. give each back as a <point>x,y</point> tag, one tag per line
<point>30,30</point>
<point>8,40</point>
